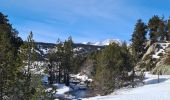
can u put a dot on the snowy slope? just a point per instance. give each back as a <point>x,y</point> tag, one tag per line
<point>107,42</point>
<point>151,91</point>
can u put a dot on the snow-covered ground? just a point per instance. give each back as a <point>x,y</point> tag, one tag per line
<point>61,89</point>
<point>152,90</point>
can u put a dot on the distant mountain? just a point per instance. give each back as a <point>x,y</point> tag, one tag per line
<point>87,46</point>
<point>78,48</point>
<point>103,43</point>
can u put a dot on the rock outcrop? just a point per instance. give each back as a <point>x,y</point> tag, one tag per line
<point>155,58</point>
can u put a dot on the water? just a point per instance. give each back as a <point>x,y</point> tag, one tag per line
<point>77,94</point>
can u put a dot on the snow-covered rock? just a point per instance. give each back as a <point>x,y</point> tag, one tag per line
<point>160,50</point>
<point>149,51</point>
<point>78,49</point>
<point>45,51</point>
<point>155,50</point>
<point>82,77</point>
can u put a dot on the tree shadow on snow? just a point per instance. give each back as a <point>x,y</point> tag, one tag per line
<point>155,81</point>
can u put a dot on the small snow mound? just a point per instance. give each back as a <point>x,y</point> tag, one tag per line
<point>61,89</point>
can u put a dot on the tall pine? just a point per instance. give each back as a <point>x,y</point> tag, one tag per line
<point>68,59</point>
<point>154,25</point>
<point>139,39</point>
<point>168,28</point>
<point>9,60</point>
<point>60,62</point>
<point>113,63</point>
<point>32,86</point>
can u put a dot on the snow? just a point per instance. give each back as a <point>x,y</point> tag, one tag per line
<point>152,90</point>
<point>162,50</point>
<point>45,51</point>
<point>157,53</point>
<point>155,56</point>
<point>45,78</point>
<point>104,43</point>
<point>107,42</point>
<point>61,89</point>
<point>164,45</point>
<point>37,67</point>
<point>78,49</point>
<point>82,77</point>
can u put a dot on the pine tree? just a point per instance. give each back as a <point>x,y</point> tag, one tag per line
<point>55,66</point>
<point>153,26</point>
<point>29,58</point>
<point>112,66</point>
<point>61,62</point>
<point>168,28</point>
<point>32,86</point>
<point>162,30</point>
<point>9,63</point>
<point>139,38</point>
<point>127,65</point>
<point>138,47</point>
<point>68,60</point>
<point>127,57</point>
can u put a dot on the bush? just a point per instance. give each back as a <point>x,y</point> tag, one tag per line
<point>160,54</point>
<point>167,61</point>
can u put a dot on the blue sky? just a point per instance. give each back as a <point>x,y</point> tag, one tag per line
<point>84,20</point>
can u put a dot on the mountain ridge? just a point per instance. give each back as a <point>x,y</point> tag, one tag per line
<point>105,42</point>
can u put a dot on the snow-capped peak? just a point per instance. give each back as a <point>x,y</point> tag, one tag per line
<point>104,43</point>
<point>87,43</point>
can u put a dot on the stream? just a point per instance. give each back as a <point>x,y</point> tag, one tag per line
<point>78,89</point>
<point>77,94</point>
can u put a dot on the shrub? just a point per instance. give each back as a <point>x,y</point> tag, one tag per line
<point>160,54</point>
<point>167,61</point>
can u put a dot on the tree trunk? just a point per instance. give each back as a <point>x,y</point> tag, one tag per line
<point>59,74</point>
<point>158,77</point>
<point>133,77</point>
<point>1,85</point>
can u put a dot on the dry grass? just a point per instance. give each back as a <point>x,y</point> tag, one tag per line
<point>167,61</point>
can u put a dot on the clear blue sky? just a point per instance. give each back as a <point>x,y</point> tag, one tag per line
<point>84,20</point>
